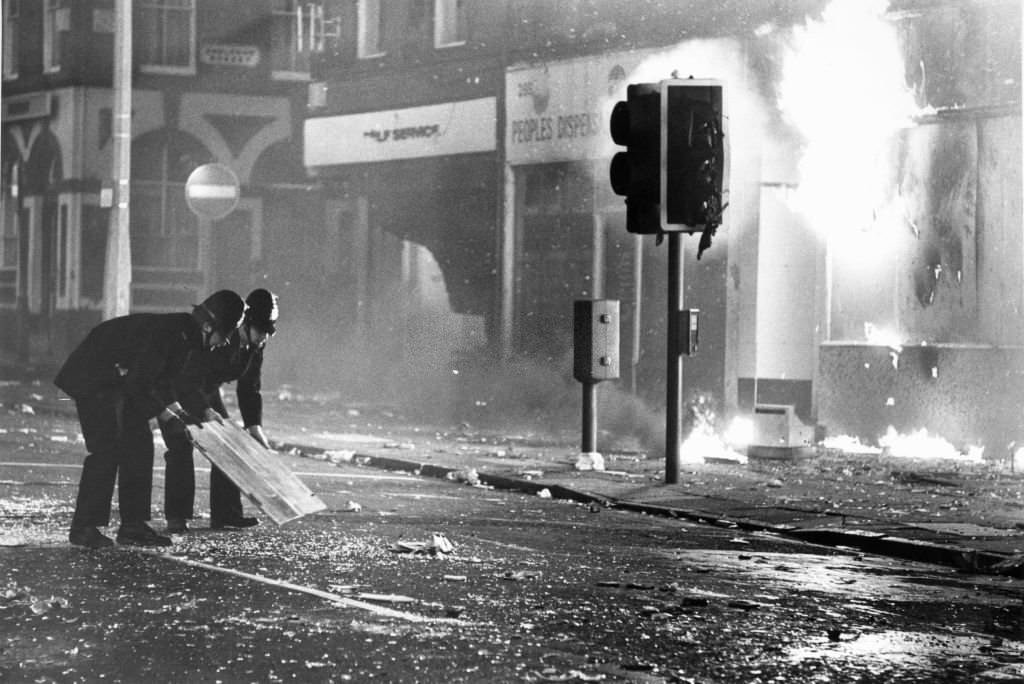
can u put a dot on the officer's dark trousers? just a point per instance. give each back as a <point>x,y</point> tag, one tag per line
<point>180,483</point>
<point>120,446</point>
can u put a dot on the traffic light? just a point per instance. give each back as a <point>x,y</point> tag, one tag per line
<point>695,157</point>
<point>635,173</point>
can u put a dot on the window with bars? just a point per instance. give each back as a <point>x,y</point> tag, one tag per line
<point>371,29</point>
<point>291,36</point>
<point>449,23</point>
<point>165,33</point>
<point>12,13</point>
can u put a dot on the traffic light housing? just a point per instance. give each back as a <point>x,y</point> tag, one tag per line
<point>694,157</point>
<point>636,172</point>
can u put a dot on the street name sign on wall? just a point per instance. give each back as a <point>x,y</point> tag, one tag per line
<point>212,191</point>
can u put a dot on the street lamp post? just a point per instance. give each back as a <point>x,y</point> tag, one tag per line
<point>117,275</point>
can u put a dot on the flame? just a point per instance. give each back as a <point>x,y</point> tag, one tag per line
<point>843,89</point>
<point>850,445</point>
<point>703,444</point>
<point>920,444</point>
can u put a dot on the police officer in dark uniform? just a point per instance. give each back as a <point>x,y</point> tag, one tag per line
<point>121,375</point>
<point>198,386</point>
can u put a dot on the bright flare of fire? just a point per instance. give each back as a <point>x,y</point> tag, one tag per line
<point>703,444</point>
<point>920,444</point>
<point>849,445</point>
<point>843,88</point>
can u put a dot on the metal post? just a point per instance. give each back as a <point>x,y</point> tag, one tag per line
<point>638,291</point>
<point>117,275</point>
<point>674,359</point>
<point>589,417</point>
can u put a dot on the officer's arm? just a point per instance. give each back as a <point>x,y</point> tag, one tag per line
<point>250,401</point>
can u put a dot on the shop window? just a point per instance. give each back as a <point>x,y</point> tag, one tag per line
<point>449,23</point>
<point>12,13</point>
<point>554,254</point>
<point>371,28</point>
<point>169,31</point>
<point>293,35</point>
<point>56,22</point>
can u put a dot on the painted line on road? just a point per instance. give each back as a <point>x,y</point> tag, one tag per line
<point>414,495</point>
<point>336,598</point>
<point>345,476</point>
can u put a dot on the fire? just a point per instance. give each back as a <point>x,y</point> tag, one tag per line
<point>704,443</point>
<point>844,91</point>
<point>849,445</point>
<point>920,444</point>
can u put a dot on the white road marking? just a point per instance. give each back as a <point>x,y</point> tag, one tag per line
<point>336,598</point>
<point>344,476</point>
<point>414,495</point>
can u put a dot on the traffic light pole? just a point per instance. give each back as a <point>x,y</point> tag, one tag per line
<point>674,359</point>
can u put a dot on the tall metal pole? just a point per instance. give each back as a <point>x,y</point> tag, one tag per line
<point>638,295</point>
<point>674,359</point>
<point>117,275</point>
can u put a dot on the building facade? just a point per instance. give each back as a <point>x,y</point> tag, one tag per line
<point>425,182</point>
<point>212,82</point>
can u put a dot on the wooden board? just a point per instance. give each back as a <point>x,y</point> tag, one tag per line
<point>258,471</point>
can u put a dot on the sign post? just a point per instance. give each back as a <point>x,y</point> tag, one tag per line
<point>212,191</point>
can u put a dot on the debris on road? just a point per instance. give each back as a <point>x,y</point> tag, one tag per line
<point>438,544</point>
<point>340,456</point>
<point>469,475</point>
<point>519,575</point>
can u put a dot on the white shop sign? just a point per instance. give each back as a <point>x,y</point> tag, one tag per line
<point>428,131</point>
<point>559,111</point>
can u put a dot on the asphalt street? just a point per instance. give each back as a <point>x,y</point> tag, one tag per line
<point>424,579</point>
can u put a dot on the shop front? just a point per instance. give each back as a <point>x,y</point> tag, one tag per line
<point>565,236</point>
<point>411,202</point>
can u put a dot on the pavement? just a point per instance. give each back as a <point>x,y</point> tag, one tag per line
<point>931,507</point>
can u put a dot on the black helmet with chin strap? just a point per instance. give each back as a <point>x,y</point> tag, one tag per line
<point>223,310</point>
<point>262,311</point>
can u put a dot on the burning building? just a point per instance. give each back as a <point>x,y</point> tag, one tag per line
<point>426,183</point>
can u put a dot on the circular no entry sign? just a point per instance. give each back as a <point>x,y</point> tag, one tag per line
<point>212,191</point>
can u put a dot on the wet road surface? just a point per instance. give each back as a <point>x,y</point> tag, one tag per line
<point>532,590</point>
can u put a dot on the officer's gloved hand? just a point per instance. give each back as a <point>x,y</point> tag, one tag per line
<point>257,433</point>
<point>211,416</point>
<point>175,419</point>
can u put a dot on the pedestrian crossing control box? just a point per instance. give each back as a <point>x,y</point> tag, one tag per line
<point>595,340</point>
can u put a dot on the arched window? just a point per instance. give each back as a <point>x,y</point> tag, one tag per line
<point>164,232</point>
